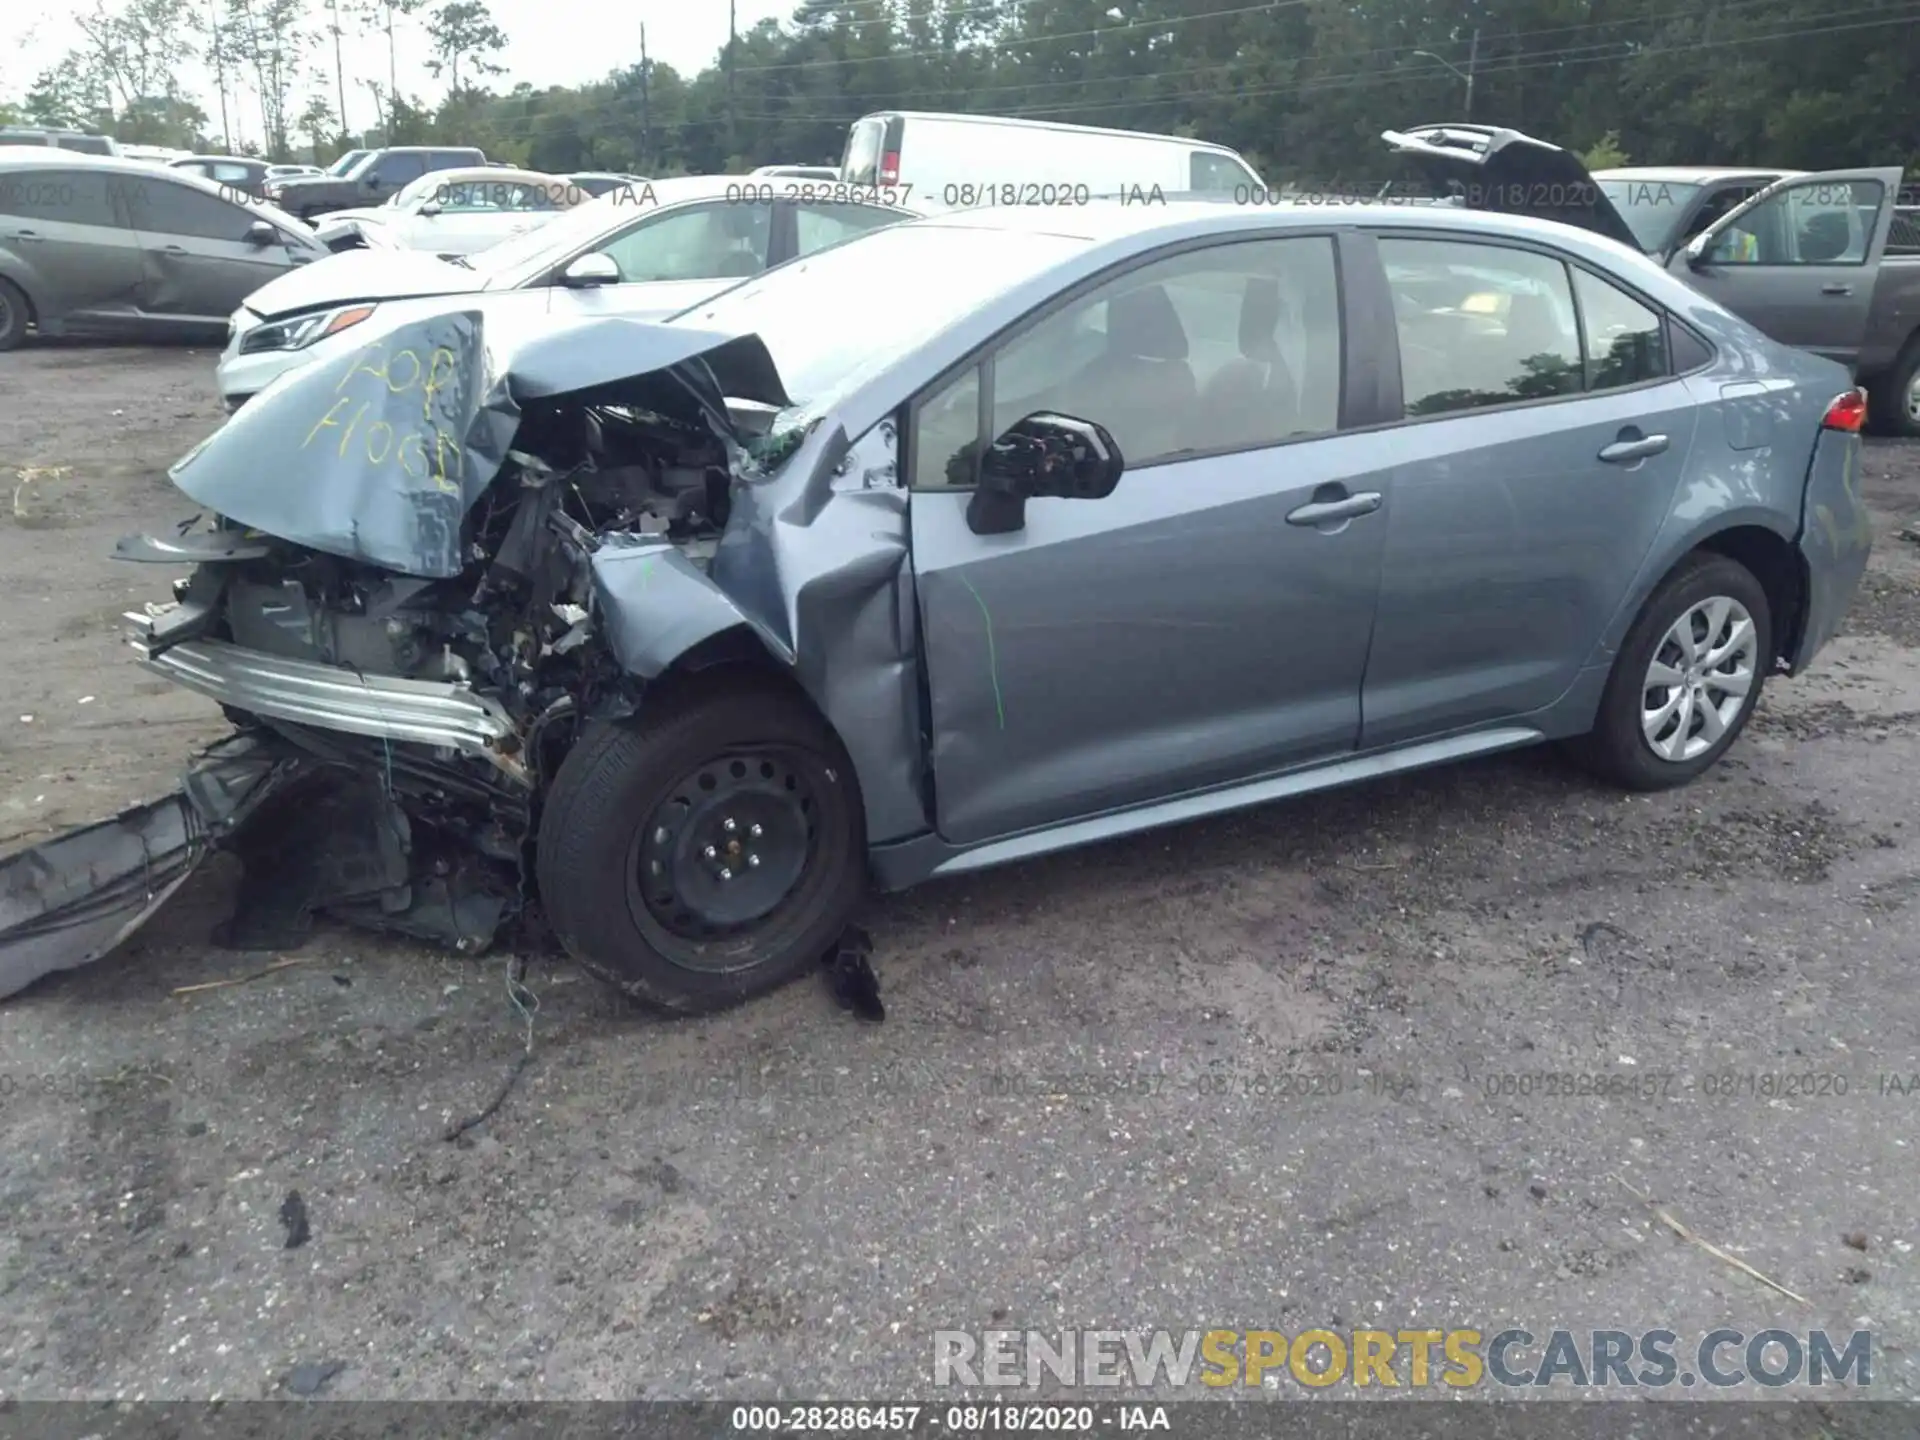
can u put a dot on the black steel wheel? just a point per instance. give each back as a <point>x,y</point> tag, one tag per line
<point>706,851</point>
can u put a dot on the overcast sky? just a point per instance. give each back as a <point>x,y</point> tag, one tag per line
<point>549,42</point>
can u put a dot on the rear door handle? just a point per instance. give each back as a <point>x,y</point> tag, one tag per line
<point>1328,512</point>
<point>175,249</point>
<point>1625,452</point>
<point>1836,289</point>
<point>27,235</point>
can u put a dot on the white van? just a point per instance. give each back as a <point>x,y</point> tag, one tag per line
<point>962,161</point>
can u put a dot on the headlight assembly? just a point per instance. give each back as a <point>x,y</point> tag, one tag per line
<point>302,330</point>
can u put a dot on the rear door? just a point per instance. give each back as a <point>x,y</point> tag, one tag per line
<point>196,259</point>
<point>1800,259</point>
<point>63,241</point>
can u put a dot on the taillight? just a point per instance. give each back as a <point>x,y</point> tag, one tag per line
<point>890,168</point>
<point>1847,412</point>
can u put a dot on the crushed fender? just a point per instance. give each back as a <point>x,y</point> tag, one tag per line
<point>70,900</point>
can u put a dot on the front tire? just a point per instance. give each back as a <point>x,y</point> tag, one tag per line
<point>708,850</point>
<point>1686,679</point>
<point>14,312</point>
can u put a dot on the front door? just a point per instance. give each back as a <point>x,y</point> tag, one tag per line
<point>198,262</point>
<point>1529,481</point>
<point>1800,260</point>
<point>1199,626</point>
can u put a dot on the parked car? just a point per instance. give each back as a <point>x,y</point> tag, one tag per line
<point>598,182</point>
<point>122,246</point>
<point>638,252</point>
<point>962,161</point>
<point>235,172</point>
<point>1806,257</point>
<point>346,162</point>
<point>1090,537</point>
<point>61,139</point>
<point>454,212</point>
<point>374,178</point>
<point>799,172</point>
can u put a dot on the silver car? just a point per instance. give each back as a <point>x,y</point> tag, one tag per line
<point>689,631</point>
<point>646,249</point>
<point>90,244</point>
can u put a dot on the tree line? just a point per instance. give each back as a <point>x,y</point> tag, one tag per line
<point>1302,87</point>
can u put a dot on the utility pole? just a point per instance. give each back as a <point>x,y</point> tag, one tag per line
<point>339,66</point>
<point>219,44</point>
<point>1473,65</point>
<point>646,132</point>
<point>733,37</point>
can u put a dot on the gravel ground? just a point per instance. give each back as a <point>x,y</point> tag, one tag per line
<point>1248,1073</point>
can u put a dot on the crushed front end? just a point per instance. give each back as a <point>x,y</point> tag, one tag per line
<point>426,568</point>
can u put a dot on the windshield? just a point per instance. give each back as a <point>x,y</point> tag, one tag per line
<point>1651,208</point>
<point>801,312</point>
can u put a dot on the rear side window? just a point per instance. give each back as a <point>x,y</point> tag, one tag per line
<point>861,163</point>
<point>1626,342</point>
<point>399,169</point>
<point>1211,173</point>
<point>1480,325</point>
<point>160,208</point>
<point>62,197</point>
<point>455,159</point>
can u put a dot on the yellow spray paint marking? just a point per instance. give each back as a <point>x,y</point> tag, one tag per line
<point>430,455</point>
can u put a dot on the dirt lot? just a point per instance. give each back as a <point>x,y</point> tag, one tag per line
<point>1245,1074</point>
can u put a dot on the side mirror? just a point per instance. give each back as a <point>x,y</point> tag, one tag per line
<point>589,270</point>
<point>1696,251</point>
<point>261,233</point>
<point>430,209</point>
<point>1044,456</point>
<point>371,183</point>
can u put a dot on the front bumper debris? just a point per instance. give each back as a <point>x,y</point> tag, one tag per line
<point>383,707</point>
<point>70,900</point>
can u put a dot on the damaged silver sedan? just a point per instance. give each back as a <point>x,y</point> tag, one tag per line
<point>961,542</point>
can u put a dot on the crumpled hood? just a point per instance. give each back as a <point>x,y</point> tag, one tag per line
<point>359,275</point>
<point>378,454</point>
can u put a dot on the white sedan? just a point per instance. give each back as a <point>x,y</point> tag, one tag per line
<point>454,212</point>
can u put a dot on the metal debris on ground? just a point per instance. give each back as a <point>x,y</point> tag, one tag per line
<point>850,975</point>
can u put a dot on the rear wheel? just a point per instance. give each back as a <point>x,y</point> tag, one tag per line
<point>14,312</point>
<point>706,852</point>
<point>1686,680</point>
<point>1895,404</point>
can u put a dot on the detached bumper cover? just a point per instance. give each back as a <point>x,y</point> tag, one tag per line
<point>420,712</point>
<point>70,900</point>
<point>1836,536</point>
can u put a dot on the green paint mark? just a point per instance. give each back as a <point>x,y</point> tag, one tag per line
<point>993,661</point>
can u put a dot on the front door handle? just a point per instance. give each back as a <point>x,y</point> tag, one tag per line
<point>175,249</point>
<point>25,235</point>
<point>1625,452</point>
<point>1329,512</point>
<point>1836,289</point>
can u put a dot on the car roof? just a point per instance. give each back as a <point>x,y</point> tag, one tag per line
<point>1692,174</point>
<point>39,157</point>
<point>228,159</point>
<point>1017,123</point>
<point>492,174</point>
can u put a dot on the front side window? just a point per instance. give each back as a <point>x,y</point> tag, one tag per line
<point>702,242</point>
<point>1816,222</point>
<point>1231,347</point>
<point>1626,342</point>
<point>821,225</point>
<point>61,197</point>
<point>160,208</point>
<point>1480,325</point>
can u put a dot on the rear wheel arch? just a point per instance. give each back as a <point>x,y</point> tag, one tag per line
<point>17,294</point>
<point>1777,564</point>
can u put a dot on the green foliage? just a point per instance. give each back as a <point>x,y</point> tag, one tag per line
<point>1605,153</point>
<point>1305,88</point>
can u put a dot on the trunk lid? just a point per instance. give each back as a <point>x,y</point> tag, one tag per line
<point>1508,173</point>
